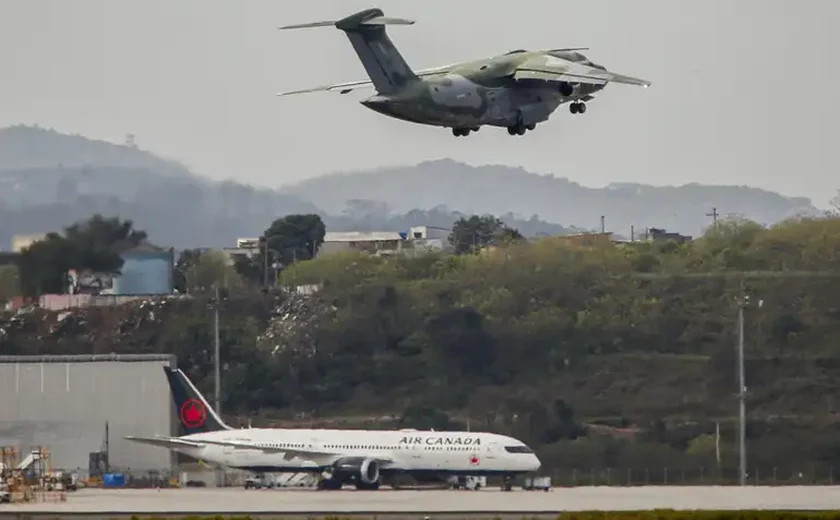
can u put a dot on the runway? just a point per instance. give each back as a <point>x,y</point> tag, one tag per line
<point>102,503</point>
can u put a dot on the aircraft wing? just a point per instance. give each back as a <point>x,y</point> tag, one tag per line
<point>349,86</point>
<point>556,70</point>
<point>288,453</point>
<point>166,442</point>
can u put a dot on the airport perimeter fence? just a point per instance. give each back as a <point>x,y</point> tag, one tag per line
<point>810,475</point>
<point>807,475</point>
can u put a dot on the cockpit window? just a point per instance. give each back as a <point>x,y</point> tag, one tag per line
<point>518,449</point>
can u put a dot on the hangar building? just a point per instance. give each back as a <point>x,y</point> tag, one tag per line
<point>63,403</point>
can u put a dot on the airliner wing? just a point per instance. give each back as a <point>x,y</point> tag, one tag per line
<point>550,68</point>
<point>349,86</point>
<point>166,442</point>
<point>288,453</point>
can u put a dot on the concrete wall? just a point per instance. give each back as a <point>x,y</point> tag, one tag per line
<point>145,273</point>
<point>63,402</point>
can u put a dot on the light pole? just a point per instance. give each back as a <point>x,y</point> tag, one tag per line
<point>216,356</point>
<point>742,394</point>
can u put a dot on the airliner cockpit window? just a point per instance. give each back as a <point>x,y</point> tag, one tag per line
<point>518,449</point>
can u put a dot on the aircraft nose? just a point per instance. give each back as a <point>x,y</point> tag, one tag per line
<point>535,463</point>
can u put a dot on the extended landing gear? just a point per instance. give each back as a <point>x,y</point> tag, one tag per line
<point>577,107</point>
<point>334,484</point>
<point>507,483</point>
<point>329,484</point>
<point>520,129</point>
<point>463,132</point>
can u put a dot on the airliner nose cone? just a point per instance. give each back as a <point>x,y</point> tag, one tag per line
<point>536,464</point>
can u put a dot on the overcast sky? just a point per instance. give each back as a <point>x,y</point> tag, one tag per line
<point>744,91</point>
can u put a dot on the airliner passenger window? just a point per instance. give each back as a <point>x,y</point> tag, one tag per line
<point>518,449</point>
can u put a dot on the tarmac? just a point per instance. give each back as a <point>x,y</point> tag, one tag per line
<point>392,504</point>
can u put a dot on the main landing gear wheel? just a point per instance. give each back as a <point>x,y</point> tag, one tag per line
<point>520,129</point>
<point>329,484</point>
<point>463,132</point>
<point>577,108</point>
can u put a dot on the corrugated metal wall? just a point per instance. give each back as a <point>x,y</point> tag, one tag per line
<point>63,402</point>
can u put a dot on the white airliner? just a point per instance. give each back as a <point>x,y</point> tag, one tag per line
<point>358,457</point>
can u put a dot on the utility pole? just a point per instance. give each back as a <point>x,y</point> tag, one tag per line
<point>216,361</point>
<point>714,215</point>
<point>220,475</point>
<point>742,392</point>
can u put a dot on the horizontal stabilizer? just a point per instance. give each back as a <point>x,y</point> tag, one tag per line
<point>570,49</point>
<point>371,22</point>
<point>327,23</point>
<point>387,20</point>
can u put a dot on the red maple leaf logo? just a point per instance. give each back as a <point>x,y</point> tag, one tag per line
<point>193,414</point>
<point>474,460</point>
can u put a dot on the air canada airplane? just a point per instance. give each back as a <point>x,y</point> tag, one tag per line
<point>356,457</point>
<point>516,90</point>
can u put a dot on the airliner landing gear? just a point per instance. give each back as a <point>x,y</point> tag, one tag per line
<point>507,483</point>
<point>329,484</point>
<point>362,486</point>
<point>463,132</point>
<point>577,107</point>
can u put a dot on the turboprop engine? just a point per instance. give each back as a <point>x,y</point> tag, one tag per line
<point>366,470</point>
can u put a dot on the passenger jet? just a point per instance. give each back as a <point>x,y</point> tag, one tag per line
<point>355,457</point>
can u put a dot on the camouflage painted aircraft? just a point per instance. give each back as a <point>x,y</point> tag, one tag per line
<point>516,90</point>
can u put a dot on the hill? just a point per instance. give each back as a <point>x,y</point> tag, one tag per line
<point>500,189</point>
<point>32,147</point>
<point>49,179</point>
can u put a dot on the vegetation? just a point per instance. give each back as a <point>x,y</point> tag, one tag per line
<point>599,355</point>
<point>42,267</point>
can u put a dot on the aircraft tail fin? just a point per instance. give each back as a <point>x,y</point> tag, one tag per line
<point>385,66</point>
<point>194,413</point>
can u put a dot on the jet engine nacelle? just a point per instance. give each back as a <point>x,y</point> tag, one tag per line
<point>363,468</point>
<point>566,88</point>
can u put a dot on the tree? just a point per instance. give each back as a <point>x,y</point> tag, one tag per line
<point>198,270</point>
<point>93,245</point>
<point>289,239</point>
<point>9,283</point>
<point>477,232</point>
<point>294,237</point>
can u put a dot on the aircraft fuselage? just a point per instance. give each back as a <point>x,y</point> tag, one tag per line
<point>473,95</point>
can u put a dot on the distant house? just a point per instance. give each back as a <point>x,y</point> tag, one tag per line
<point>661,234</point>
<point>147,270</point>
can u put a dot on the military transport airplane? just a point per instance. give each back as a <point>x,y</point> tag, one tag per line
<point>516,90</point>
<point>358,457</point>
